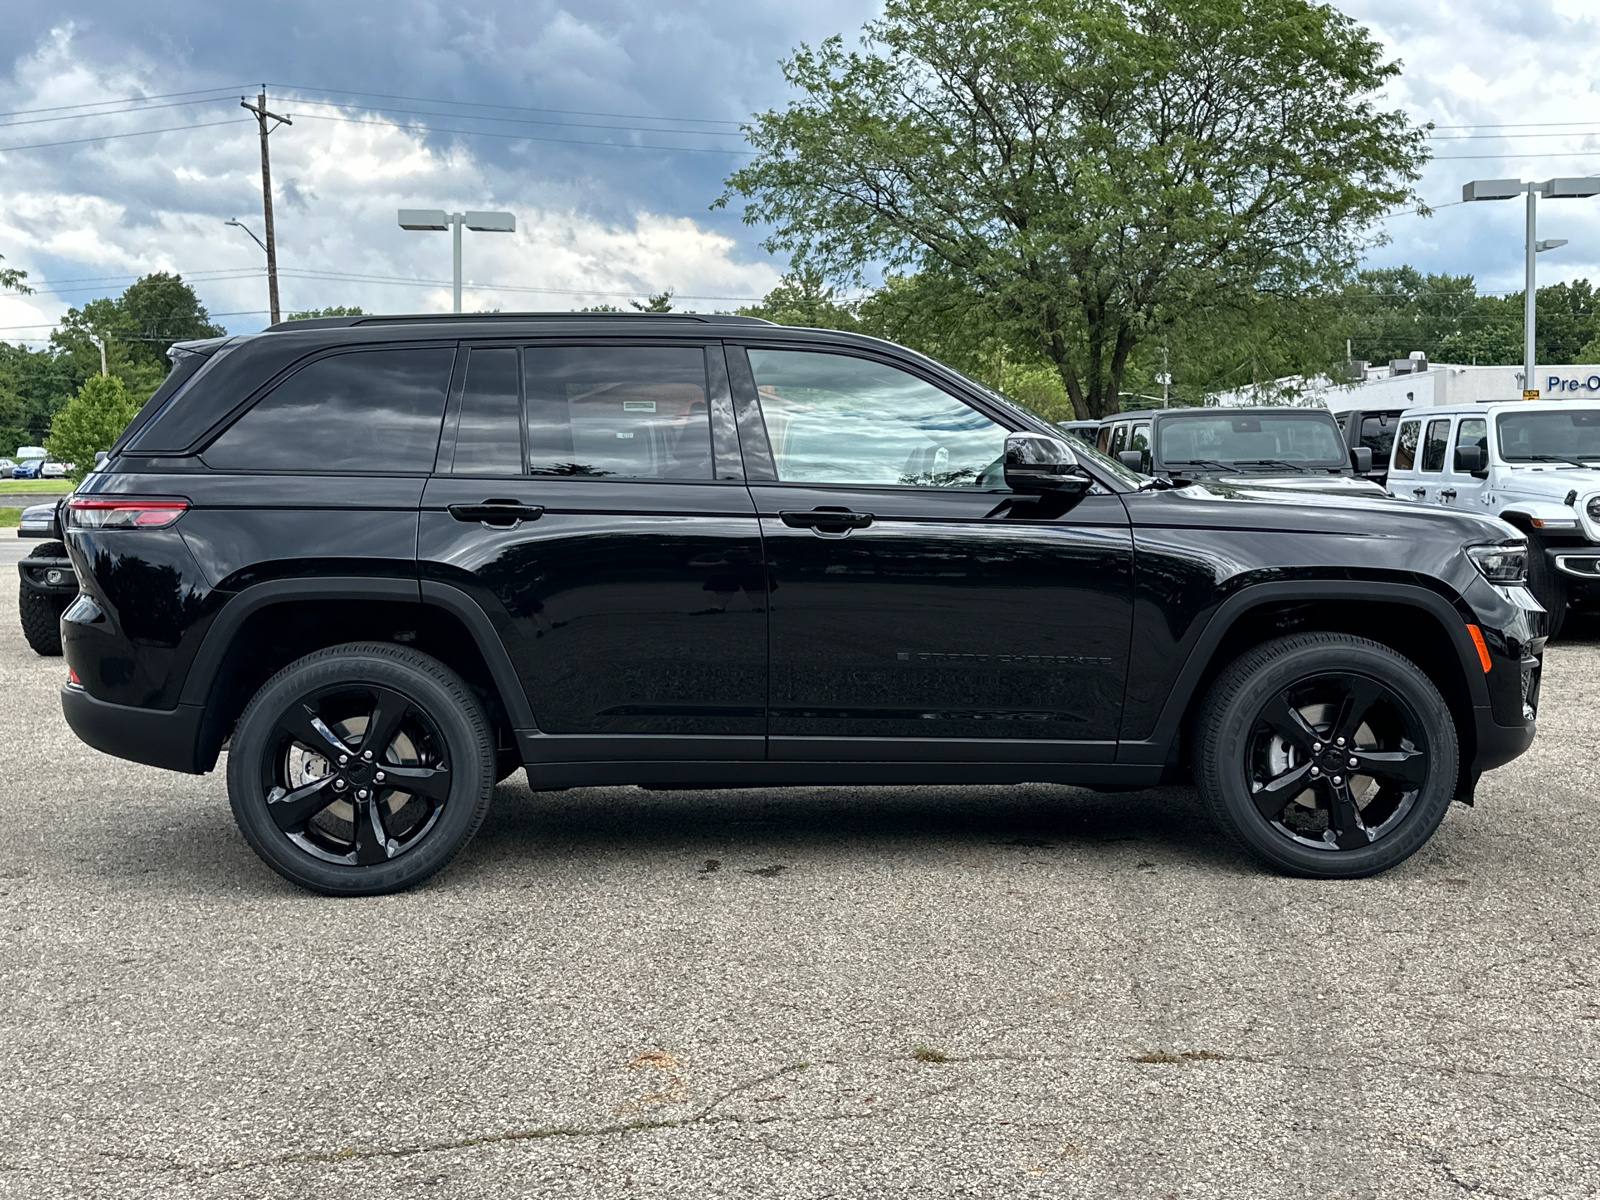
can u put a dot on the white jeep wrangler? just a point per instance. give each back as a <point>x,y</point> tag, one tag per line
<point>1534,464</point>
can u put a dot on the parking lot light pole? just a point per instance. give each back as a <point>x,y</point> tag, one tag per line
<point>438,219</point>
<point>1554,189</point>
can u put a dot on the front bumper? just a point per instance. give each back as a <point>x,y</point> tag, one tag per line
<point>161,738</point>
<point>53,575</point>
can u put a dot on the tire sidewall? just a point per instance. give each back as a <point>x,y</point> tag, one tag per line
<point>429,685</point>
<point>1235,718</point>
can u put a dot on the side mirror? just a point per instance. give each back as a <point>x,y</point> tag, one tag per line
<point>1132,459</point>
<point>1470,459</point>
<point>1040,464</point>
<point>1361,459</point>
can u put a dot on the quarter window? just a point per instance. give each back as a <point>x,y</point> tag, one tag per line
<point>488,432</point>
<point>832,418</point>
<point>1405,446</point>
<point>634,412</point>
<point>1473,431</point>
<point>369,410</point>
<point>1435,444</point>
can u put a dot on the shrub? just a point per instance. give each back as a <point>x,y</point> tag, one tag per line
<point>90,422</point>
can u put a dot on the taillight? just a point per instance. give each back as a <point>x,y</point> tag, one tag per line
<point>72,677</point>
<point>90,512</point>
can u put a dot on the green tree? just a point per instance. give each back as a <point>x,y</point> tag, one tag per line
<point>804,298</point>
<point>11,279</point>
<point>1096,169</point>
<point>660,302</point>
<point>90,422</point>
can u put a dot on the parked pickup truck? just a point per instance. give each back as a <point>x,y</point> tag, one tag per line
<point>1373,428</point>
<point>1534,465</point>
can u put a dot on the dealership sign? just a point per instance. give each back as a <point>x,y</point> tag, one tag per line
<point>1578,383</point>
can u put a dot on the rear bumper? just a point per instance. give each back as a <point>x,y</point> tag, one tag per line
<point>160,738</point>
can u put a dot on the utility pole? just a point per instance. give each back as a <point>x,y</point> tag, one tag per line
<point>1166,378</point>
<point>101,342</point>
<point>259,108</point>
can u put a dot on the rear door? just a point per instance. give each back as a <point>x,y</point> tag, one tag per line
<point>1431,462</point>
<point>1403,482</point>
<point>590,498</point>
<point>920,611</point>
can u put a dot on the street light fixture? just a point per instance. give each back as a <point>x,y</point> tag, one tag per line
<point>478,222</point>
<point>1553,189</point>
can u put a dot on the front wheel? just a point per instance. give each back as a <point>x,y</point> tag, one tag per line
<point>1326,755</point>
<point>361,769</point>
<point>1549,586</point>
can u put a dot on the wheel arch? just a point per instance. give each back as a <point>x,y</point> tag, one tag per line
<point>267,626</point>
<point>1417,623</point>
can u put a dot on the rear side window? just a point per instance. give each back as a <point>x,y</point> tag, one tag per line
<point>1119,439</point>
<point>1435,444</point>
<point>371,410</point>
<point>635,412</point>
<point>1405,446</point>
<point>1473,431</point>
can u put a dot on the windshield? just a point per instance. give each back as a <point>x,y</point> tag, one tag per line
<point>1299,438</point>
<point>1549,436</point>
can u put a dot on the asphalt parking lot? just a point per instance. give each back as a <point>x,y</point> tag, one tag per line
<point>809,992</point>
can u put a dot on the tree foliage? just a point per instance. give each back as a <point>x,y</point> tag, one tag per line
<point>1094,169</point>
<point>90,422</point>
<point>336,310</point>
<point>11,279</point>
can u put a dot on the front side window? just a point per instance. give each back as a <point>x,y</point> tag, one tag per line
<point>1473,431</point>
<point>370,410</point>
<point>1435,444</point>
<point>1141,438</point>
<point>832,418</point>
<point>1405,446</point>
<point>632,412</point>
<point>1377,434</point>
<point>1119,440</point>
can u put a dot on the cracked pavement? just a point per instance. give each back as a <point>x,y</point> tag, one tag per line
<point>943,992</point>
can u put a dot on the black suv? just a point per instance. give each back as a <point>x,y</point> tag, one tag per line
<point>384,562</point>
<point>1297,448</point>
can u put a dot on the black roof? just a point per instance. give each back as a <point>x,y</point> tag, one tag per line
<point>499,320</point>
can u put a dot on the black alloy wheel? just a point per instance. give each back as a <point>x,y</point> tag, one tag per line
<point>1326,755</point>
<point>361,769</point>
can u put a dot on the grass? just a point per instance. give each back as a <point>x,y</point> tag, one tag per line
<point>10,518</point>
<point>928,1054</point>
<point>49,487</point>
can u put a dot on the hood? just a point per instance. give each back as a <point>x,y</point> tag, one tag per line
<point>1550,479</point>
<point>1333,485</point>
<point>1216,503</point>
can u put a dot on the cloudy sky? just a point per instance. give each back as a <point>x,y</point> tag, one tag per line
<point>500,105</point>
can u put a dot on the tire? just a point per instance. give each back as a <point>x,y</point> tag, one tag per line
<point>41,620</point>
<point>321,813</point>
<point>1549,586</point>
<point>1270,768</point>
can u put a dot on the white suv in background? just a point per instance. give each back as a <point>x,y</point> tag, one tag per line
<point>1533,464</point>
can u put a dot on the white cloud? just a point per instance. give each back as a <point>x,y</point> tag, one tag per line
<point>134,205</point>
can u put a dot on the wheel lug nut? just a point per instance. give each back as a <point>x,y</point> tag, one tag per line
<point>1353,762</point>
<point>1339,742</point>
<point>380,775</point>
<point>343,758</point>
<point>362,794</point>
<point>1316,747</point>
<point>1316,771</point>
<point>1336,779</point>
<point>367,754</point>
<point>338,785</point>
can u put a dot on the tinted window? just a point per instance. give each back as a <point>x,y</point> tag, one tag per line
<point>836,419</point>
<point>488,430</point>
<point>1473,431</point>
<point>1434,445</point>
<point>1377,433</point>
<point>374,410</point>
<point>1405,446</point>
<point>637,412</point>
<point>1141,438</point>
<point>1550,436</point>
<point>1286,437</point>
<point>1102,440</point>
<point>1119,440</point>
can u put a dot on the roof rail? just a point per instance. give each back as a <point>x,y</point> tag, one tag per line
<point>511,318</point>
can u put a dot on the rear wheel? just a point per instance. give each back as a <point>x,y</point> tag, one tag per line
<point>41,620</point>
<point>1549,586</point>
<point>361,769</point>
<point>1326,755</point>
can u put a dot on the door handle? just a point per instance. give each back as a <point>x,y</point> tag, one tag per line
<point>1422,491</point>
<point>1447,493</point>
<point>500,513</point>
<point>826,520</point>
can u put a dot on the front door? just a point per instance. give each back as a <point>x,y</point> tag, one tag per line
<point>1468,489</point>
<point>919,610</point>
<point>590,498</point>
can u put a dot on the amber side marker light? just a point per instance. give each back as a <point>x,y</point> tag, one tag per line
<point>1483,650</point>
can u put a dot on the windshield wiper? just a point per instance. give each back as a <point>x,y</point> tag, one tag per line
<point>1299,467</point>
<point>1562,458</point>
<point>1200,462</point>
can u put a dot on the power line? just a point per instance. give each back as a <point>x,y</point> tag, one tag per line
<point>22,112</point>
<point>524,137</point>
<point>115,112</point>
<point>570,112</point>
<point>108,137</point>
<point>517,120</point>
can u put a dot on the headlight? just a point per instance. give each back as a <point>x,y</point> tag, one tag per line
<point>1506,562</point>
<point>1594,509</point>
